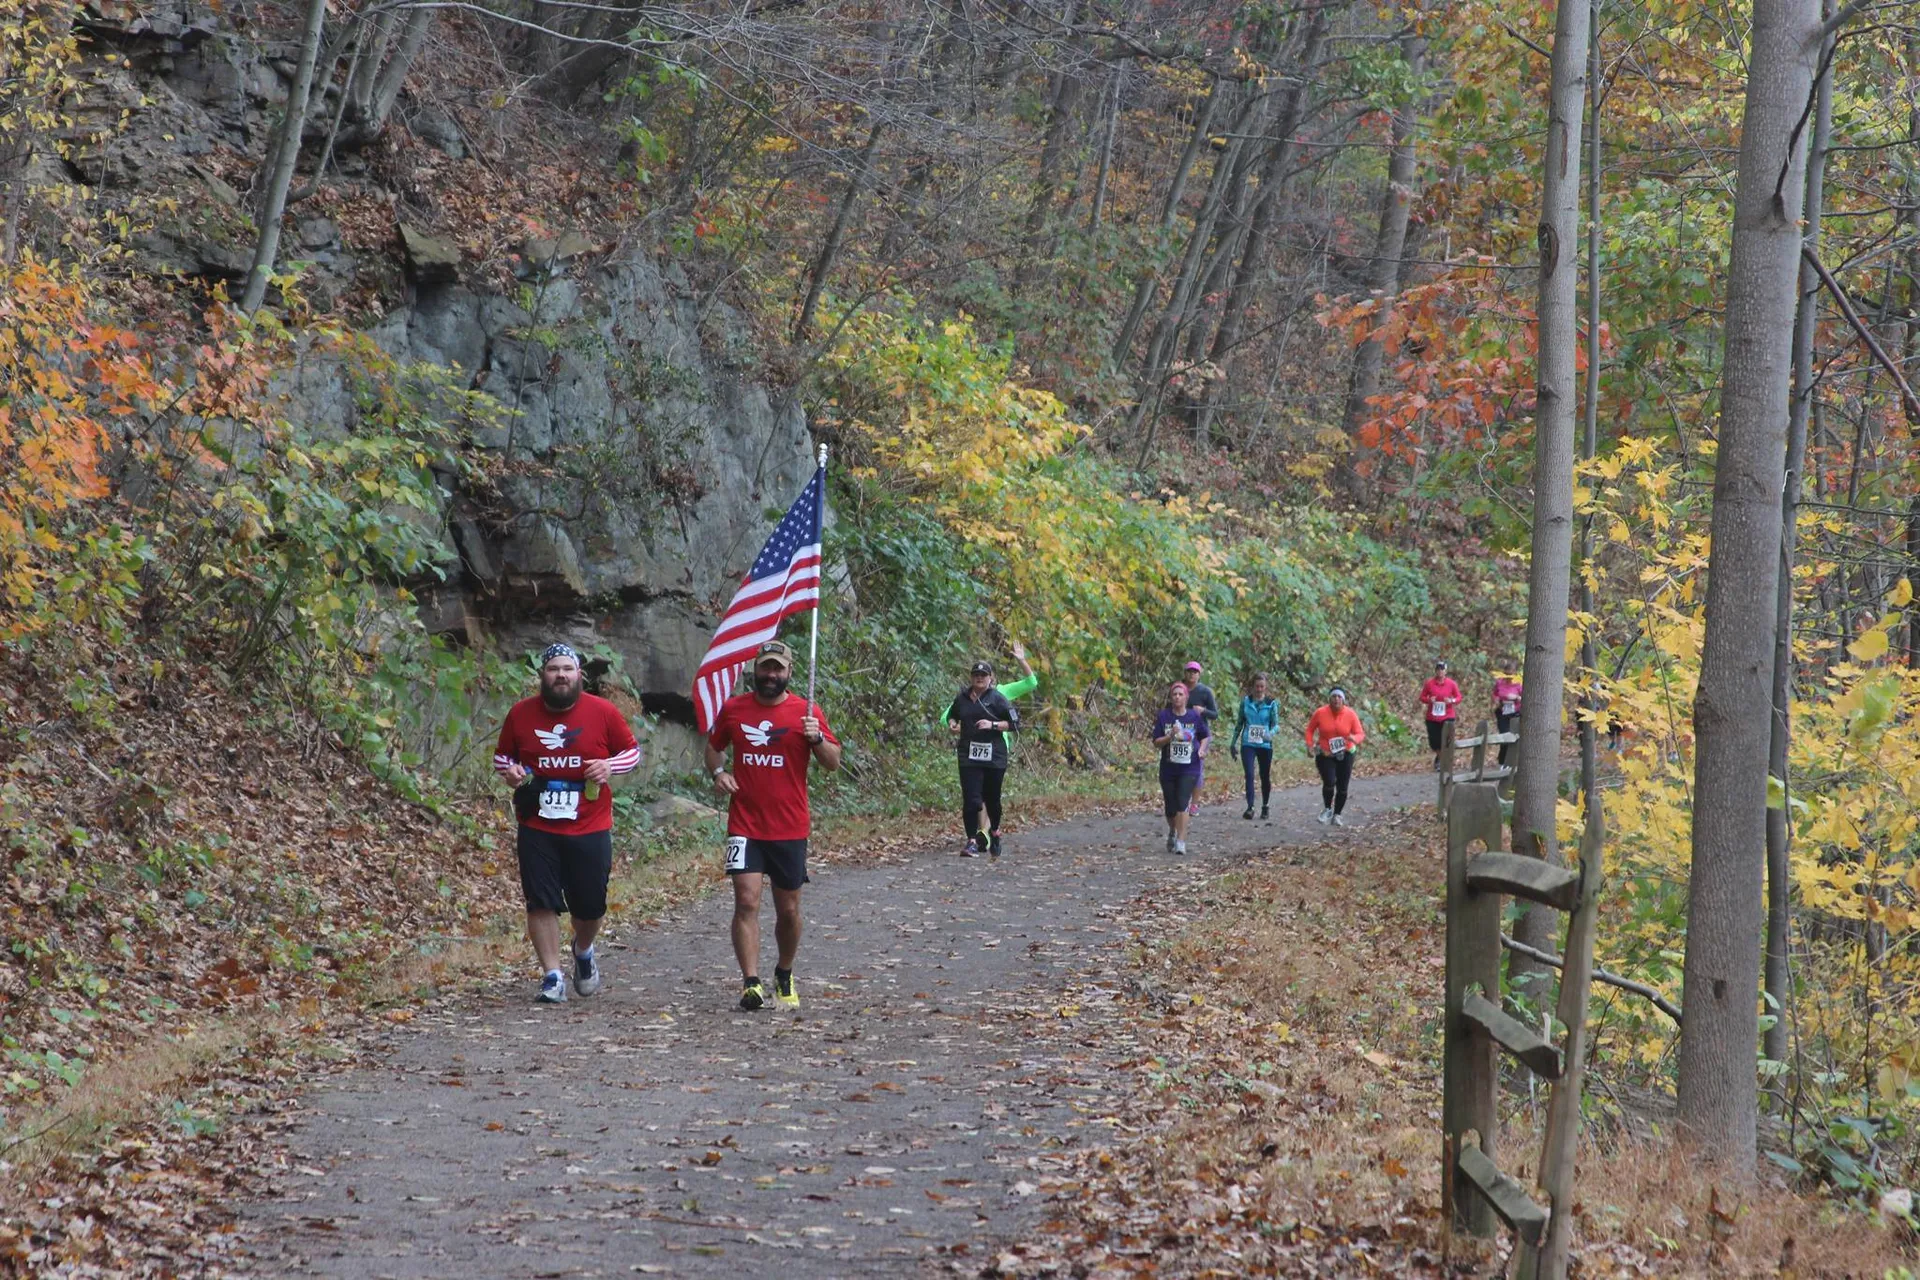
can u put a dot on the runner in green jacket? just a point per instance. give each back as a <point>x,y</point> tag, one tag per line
<point>1018,688</point>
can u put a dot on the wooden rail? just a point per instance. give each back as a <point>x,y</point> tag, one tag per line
<point>1477,770</point>
<point>1479,874</point>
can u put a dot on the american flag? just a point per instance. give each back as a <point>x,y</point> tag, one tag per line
<point>784,580</point>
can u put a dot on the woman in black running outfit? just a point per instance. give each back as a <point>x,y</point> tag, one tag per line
<point>980,719</point>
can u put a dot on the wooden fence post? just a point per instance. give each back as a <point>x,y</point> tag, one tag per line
<point>1472,1069</point>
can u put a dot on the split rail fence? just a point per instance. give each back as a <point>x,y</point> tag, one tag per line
<point>1480,874</point>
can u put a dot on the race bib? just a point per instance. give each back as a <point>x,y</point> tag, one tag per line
<point>1256,735</point>
<point>1506,708</point>
<point>1440,707</point>
<point>1180,752</point>
<point>1336,745</point>
<point>736,853</point>
<point>980,751</point>
<point>560,801</point>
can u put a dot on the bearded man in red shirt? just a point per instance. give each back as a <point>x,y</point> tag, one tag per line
<point>773,736</point>
<point>560,750</point>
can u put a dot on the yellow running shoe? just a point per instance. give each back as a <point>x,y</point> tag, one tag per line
<point>753,995</point>
<point>784,991</point>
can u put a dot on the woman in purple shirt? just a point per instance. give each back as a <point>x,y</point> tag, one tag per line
<point>1181,734</point>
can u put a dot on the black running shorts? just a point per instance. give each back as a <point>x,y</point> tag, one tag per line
<point>782,861</point>
<point>565,873</point>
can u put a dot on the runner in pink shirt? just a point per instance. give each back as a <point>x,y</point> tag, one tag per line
<point>1506,705</point>
<point>1440,700</point>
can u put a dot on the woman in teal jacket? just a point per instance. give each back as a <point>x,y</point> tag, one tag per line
<point>1252,745</point>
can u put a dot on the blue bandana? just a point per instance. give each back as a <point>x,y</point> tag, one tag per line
<point>553,651</point>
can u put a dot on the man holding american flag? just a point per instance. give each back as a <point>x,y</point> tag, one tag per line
<point>772,737</point>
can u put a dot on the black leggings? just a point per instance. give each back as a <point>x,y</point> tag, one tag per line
<point>1335,772</point>
<point>1502,722</point>
<point>1176,789</point>
<point>980,785</point>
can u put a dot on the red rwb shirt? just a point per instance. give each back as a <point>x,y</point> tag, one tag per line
<point>770,763</point>
<point>556,746</point>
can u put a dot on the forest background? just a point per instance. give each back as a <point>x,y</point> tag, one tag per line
<point>1139,331</point>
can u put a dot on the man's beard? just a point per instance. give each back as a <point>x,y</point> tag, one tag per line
<point>559,701</point>
<point>770,686</point>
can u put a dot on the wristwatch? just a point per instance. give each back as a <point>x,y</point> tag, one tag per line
<point>719,769</point>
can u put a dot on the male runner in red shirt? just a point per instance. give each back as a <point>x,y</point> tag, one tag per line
<point>560,749</point>
<point>773,736</point>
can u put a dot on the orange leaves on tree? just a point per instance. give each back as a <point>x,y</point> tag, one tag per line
<point>61,373</point>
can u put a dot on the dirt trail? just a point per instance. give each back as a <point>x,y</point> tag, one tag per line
<point>898,1120</point>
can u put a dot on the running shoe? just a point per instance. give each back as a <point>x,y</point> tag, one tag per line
<point>1339,821</point>
<point>553,988</point>
<point>783,990</point>
<point>586,974</point>
<point>753,996</point>
<point>1180,847</point>
<point>1248,815</point>
<point>1169,842</point>
<point>1326,816</point>
<point>993,846</point>
<point>1263,813</point>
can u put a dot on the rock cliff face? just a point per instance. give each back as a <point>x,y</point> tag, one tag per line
<point>641,457</point>
<point>646,464</point>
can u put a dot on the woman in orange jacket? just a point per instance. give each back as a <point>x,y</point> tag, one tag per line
<point>1333,734</point>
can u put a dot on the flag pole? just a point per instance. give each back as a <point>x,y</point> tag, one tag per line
<point>813,640</point>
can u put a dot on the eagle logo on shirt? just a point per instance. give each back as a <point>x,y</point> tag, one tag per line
<point>759,735</point>
<point>556,738</point>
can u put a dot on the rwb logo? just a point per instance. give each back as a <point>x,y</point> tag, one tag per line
<point>557,737</point>
<point>762,734</point>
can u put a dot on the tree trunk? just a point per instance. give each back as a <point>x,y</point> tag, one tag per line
<point>1166,332</point>
<point>358,90</point>
<point>1106,152</point>
<point>1063,99</point>
<point>1778,973</point>
<point>1718,1089</point>
<point>286,154</point>
<point>1383,274</point>
<point>386,88</point>
<point>1537,785</point>
<point>1272,178</point>
<point>1148,284</point>
<point>1590,415</point>
<point>856,182</point>
<point>1236,214</point>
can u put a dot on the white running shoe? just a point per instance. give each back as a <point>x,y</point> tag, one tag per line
<point>1326,816</point>
<point>1180,847</point>
<point>1339,821</point>
<point>586,973</point>
<point>553,988</point>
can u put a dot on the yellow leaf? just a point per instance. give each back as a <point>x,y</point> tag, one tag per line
<point>1869,646</point>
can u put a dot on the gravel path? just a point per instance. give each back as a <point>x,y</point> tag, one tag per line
<point>898,1121</point>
